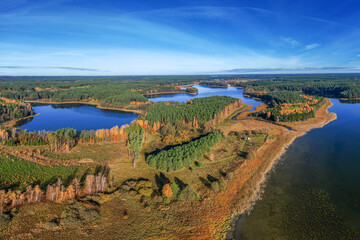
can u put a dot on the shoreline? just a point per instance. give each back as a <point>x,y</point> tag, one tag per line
<point>13,122</point>
<point>87,103</point>
<point>270,155</point>
<point>167,93</point>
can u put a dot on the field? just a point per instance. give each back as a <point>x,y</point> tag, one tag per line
<point>17,173</point>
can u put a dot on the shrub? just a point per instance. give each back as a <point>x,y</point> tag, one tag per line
<point>167,191</point>
<point>175,189</point>
<point>215,186</point>
<point>229,175</point>
<point>222,183</point>
<point>188,194</point>
<point>147,192</point>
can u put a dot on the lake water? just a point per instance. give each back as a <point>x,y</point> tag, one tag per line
<point>314,191</point>
<point>78,116</point>
<point>206,92</point>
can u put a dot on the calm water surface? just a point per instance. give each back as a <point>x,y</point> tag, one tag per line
<point>206,92</point>
<point>314,192</point>
<point>80,117</point>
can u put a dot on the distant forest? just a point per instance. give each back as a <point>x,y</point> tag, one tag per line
<point>334,85</point>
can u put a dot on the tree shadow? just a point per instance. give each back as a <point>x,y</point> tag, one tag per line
<point>161,180</point>
<point>222,173</point>
<point>211,178</point>
<point>205,182</point>
<point>180,183</point>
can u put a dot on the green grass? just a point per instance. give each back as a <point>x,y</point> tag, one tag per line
<point>17,174</point>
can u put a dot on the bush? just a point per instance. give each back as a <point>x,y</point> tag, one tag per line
<point>229,175</point>
<point>166,200</point>
<point>199,164</point>
<point>167,191</point>
<point>215,186</point>
<point>222,184</point>
<point>147,192</point>
<point>175,189</point>
<point>188,194</point>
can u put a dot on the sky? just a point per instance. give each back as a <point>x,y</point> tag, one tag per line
<point>154,37</point>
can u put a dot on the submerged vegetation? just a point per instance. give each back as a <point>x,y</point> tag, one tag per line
<point>313,216</point>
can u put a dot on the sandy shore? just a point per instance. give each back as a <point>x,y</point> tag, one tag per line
<point>269,155</point>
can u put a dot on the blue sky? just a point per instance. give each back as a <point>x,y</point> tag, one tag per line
<point>99,37</point>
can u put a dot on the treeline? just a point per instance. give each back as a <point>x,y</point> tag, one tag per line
<point>199,109</point>
<point>108,91</point>
<point>15,136</point>
<point>107,96</point>
<point>62,139</point>
<point>275,98</point>
<point>59,140</point>
<point>286,106</point>
<point>11,109</point>
<point>335,85</point>
<point>23,182</point>
<point>213,84</point>
<point>276,116</point>
<point>134,143</point>
<point>192,90</point>
<point>181,156</point>
<point>55,192</point>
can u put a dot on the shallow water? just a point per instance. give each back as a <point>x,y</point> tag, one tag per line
<point>81,117</point>
<point>314,191</point>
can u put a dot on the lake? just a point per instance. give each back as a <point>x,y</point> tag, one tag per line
<point>87,117</point>
<point>313,193</point>
<point>78,116</point>
<point>206,92</point>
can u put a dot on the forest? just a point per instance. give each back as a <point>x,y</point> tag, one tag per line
<point>23,182</point>
<point>213,84</point>
<point>287,106</point>
<point>200,109</point>
<point>11,109</point>
<point>334,85</point>
<point>103,90</point>
<point>182,156</point>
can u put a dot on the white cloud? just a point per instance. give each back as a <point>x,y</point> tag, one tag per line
<point>312,46</point>
<point>291,41</point>
<point>358,55</point>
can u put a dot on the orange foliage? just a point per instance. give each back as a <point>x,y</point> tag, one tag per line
<point>166,191</point>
